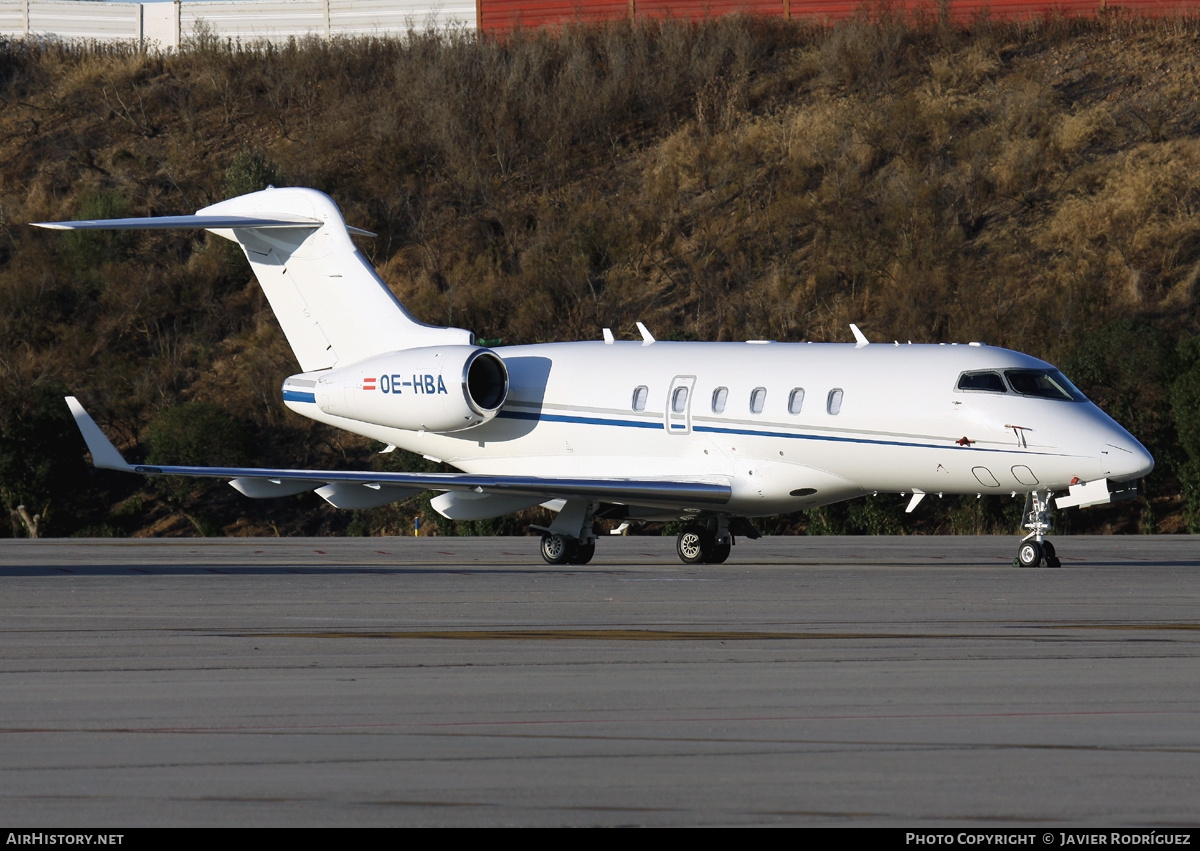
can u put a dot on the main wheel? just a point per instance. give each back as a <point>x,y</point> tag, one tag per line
<point>583,553</point>
<point>1049,554</point>
<point>692,545</point>
<point>1030,554</point>
<point>557,549</point>
<point>718,553</point>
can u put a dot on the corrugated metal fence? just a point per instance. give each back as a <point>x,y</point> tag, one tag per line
<point>169,24</point>
<point>506,15</point>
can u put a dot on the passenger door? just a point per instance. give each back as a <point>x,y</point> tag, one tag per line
<point>678,419</point>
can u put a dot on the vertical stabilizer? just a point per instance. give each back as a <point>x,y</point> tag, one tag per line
<point>333,307</point>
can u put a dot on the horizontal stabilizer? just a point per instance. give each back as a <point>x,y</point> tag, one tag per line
<point>257,482</point>
<point>178,222</point>
<point>272,220</point>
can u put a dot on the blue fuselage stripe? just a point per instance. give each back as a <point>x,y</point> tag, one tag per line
<point>297,396</point>
<point>562,418</point>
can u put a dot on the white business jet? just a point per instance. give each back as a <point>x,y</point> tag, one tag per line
<point>642,431</point>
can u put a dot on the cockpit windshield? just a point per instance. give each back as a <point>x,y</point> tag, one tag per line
<point>985,382</point>
<point>1044,384</point>
<point>1039,383</point>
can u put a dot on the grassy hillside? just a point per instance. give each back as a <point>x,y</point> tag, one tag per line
<point>1032,185</point>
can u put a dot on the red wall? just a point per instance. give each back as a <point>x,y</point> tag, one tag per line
<point>505,15</point>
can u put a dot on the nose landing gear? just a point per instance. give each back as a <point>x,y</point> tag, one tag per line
<point>1035,550</point>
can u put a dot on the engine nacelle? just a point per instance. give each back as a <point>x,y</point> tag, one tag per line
<point>438,388</point>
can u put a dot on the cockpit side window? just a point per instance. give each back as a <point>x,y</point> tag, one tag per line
<point>985,382</point>
<point>1044,384</point>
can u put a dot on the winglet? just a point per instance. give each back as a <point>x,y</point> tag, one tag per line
<point>860,339</point>
<point>104,454</point>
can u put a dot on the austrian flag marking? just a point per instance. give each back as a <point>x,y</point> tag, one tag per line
<point>368,384</point>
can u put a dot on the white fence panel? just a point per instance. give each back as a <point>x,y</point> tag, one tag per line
<point>250,21</point>
<point>12,19</point>
<point>166,25</point>
<point>379,17</point>
<point>71,20</point>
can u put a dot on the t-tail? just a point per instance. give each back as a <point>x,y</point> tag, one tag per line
<point>333,308</point>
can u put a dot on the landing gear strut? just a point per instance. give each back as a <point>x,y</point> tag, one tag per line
<point>705,544</point>
<point>1035,550</point>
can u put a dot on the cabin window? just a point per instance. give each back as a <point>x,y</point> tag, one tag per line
<point>758,398</point>
<point>720,396</point>
<point>679,400</point>
<point>986,382</point>
<point>639,398</point>
<point>834,404</point>
<point>796,401</point>
<point>1044,384</point>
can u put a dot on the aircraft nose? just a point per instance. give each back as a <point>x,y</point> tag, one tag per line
<point>1126,460</point>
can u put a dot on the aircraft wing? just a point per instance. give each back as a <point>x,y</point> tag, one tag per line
<point>263,482</point>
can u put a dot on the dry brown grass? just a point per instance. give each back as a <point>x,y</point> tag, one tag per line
<point>1020,183</point>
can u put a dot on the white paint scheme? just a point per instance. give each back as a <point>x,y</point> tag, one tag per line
<point>568,428</point>
<point>896,432</point>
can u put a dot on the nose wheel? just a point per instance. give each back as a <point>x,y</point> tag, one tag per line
<point>1033,554</point>
<point>1035,550</point>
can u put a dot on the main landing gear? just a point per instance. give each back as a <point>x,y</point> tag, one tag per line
<point>705,544</point>
<point>1035,550</point>
<point>571,539</point>
<point>563,549</point>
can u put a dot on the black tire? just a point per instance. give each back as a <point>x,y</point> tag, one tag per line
<point>584,552</point>
<point>693,545</point>
<point>1029,554</point>
<point>558,549</point>
<point>719,553</point>
<point>1050,556</point>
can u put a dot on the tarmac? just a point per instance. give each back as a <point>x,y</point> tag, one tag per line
<point>914,682</point>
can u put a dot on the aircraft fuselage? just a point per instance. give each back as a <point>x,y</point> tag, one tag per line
<point>872,418</point>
